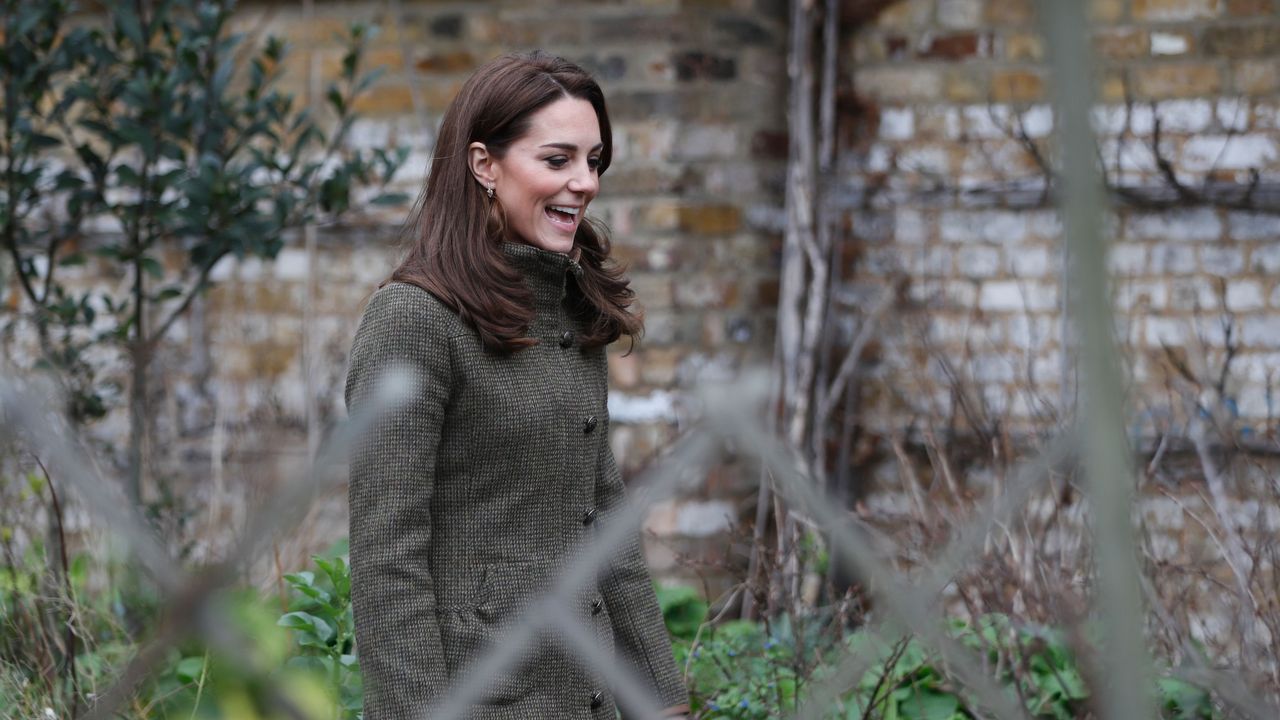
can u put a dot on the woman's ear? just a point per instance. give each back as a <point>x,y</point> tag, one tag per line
<point>482,164</point>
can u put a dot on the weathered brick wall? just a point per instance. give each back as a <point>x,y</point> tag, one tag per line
<point>696,93</point>
<point>948,188</point>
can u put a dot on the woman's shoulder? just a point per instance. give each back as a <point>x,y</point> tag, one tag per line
<point>401,307</point>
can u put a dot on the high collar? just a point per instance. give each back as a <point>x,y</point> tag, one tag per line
<point>545,273</point>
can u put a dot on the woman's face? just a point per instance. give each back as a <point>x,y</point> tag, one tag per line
<point>549,175</point>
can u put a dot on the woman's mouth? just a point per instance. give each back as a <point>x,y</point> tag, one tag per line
<point>562,216</point>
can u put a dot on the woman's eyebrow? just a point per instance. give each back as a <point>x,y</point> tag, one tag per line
<point>570,146</point>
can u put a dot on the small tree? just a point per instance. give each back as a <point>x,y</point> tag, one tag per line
<point>167,135</point>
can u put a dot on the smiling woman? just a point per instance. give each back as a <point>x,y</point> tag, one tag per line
<point>470,498</point>
<point>545,180</point>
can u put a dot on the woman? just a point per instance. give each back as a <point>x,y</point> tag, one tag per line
<point>467,499</point>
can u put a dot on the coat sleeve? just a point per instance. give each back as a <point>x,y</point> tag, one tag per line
<point>640,635</point>
<point>392,473</point>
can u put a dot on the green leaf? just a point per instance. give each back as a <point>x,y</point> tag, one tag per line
<point>151,266</point>
<point>189,669</point>
<point>930,705</point>
<point>384,199</point>
<point>307,622</point>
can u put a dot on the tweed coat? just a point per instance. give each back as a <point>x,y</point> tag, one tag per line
<point>468,498</point>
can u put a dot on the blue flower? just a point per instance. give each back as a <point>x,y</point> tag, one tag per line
<point>731,652</point>
<point>744,703</point>
<point>714,706</point>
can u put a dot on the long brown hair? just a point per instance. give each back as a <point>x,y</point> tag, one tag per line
<point>456,231</point>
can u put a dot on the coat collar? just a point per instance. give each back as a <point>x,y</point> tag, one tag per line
<point>545,272</point>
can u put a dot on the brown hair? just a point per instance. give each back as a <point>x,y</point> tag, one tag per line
<point>455,233</point>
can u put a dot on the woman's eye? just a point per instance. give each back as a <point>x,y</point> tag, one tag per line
<point>558,161</point>
<point>593,163</point>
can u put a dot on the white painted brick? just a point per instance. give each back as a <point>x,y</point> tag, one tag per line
<point>953,128</point>
<point>1233,114</point>
<point>992,368</point>
<point>1037,121</point>
<point>1004,227</point>
<point>1257,406</point>
<point>936,260</point>
<point>1221,152</point>
<point>291,264</point>
<point>1108,119</point>
<point>1194,294</point>
<point>1253,226</point>
<point>987,122</point>
<point>1031,331</point>
<point>910,226</point>
<point>1265,259</point>
<point>1275,298</point>
<point>1168,44</point>
<point>1009,295</point>
<point>1126,155</point>
<point>1259,368</point>
<point>1130,295</point>
<point>978,261</point>
<point>1188,116</point>
<point>1127,258</point>
<point>656,406</point>
<point>1266,116</point>
<point>1165,331</point>
<point>1031,262</point>
<point>960,13</point>
<point>1044,224</point>
<point>696,142</point>
<point>1261,331</point>
<point>1142,120</point>
<point>928,159</point>
<point>1244,295</point>
<point>897,123</point>
<point>1173,259</point>
<point>223,270</point>
<point>1221,260</point>
<point>1188,225</point>
<point>879,158</point>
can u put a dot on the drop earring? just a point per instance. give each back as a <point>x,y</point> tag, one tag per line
<point>489,190</point>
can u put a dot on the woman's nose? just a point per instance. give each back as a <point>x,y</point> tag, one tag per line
<point>584,180</point>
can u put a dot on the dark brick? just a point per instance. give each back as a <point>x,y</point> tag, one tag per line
<point>1248,8</point>
<point>770,144</point>
<point>446,62</point>
<point>644,104</point>
<point>447,26</point>
<point>640,29</point>
<point>609,67</point>
<point>959,46</point>
<point>743,31</point>
<point>1247,41</point>
<point>697,65</point>
<point>896,47</point>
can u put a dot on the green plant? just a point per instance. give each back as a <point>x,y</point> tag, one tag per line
<point>153,143</point>
<point>750,670</point>
<point>323,626</point>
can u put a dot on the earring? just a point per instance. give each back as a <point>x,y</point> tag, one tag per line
<point>490,191</point>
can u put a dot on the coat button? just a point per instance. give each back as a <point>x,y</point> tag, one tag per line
<point>597,699</point>
<point>566,339</point>
<point>589,516</point>
<point>589,424</point>
<point>596,606</point>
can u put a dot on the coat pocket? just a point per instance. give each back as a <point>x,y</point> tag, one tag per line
<point>471,633</point>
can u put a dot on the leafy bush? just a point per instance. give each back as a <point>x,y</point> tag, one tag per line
<point>750,670</point>
<point>323,626</point>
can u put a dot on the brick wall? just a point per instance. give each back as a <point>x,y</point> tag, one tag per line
<point>696,92</point>
<point>949,191</point>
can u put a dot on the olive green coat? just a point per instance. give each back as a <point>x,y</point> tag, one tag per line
<point>467,499</point>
